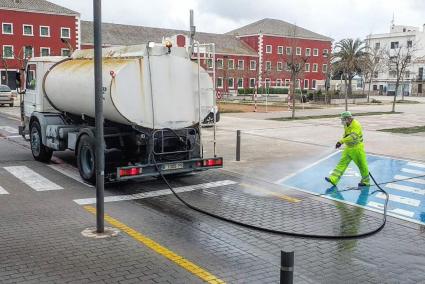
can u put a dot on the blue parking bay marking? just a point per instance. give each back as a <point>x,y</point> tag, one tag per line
<point>406,197</point>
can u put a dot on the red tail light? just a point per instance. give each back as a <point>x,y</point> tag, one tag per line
<point>130,172</point>
<point>213,162</point>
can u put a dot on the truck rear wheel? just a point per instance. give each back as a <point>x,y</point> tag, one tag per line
<point>86,159</point>
<point>39,151</point>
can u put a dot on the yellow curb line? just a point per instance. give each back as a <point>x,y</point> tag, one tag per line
<point>177,259</point>
<point>279,195</point>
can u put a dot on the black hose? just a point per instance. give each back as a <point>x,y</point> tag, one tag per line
<point>279,232</point>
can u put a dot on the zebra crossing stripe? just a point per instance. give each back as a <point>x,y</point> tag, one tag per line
<point>415,172</point>
<point>9,129</point>
<point>408,179</point>
<point>406,188</point>
<point>69,171</point>
<point>400,199</point>
<point>3,191</point>
<point>32,179</point>
<point>416,165</point>
<point>156,193</point>
<point>397,211</point>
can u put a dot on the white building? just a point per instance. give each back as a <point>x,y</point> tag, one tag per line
<point>383,82</point>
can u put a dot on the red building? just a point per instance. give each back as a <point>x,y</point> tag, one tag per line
<point>277,43</point>
<point>34,28</point>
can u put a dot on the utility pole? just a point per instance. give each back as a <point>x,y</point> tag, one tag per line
<point>99,143</point>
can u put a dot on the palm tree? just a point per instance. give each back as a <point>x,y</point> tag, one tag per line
<point>349,56</point>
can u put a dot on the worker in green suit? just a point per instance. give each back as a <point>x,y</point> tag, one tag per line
<point>354,151</point>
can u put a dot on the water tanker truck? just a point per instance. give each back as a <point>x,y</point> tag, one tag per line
<point>154,97</point>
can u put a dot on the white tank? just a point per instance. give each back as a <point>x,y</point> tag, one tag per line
<point>159,90</point>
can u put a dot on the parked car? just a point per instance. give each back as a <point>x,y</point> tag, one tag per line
<point>6,96</point>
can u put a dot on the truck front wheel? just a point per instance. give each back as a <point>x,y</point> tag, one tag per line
<point>86,159</point>
<point>40,152</point>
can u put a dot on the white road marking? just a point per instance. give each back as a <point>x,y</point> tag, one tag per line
<point>32,179</point>
<point>397,211</point>
<point>400,199</point>
<point>69,171</point>
<point>409,179</point>
<point>416,165</point>
<point>305,168</point>
<point>156,193</point>
<point>410,171</point>
<point>9,129</point>
<point>406,188</point>
<point>3,191</point>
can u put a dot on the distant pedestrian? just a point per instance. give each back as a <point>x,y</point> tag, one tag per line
<point>354,151</point>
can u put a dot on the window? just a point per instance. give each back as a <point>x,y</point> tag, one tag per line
<point>375,74</point>
<point>268,83</point>
<point>231,64</point>
<point>65,52</point>
<point>313,84</point>
<point>27,30</point>
<point>240,64</point>
<point>392,73</point>
<point>307,67</point>
<point>288,51</point>
<point>298,84</point>
<point>44,51</point>
<point>7,51</point>
<point>308,52</point>
<point>252,82</point>
<point>65,33</point>
<point>409,44</point>
<point>325,52</point>
<point>268,49</point>
<point>209,63</point>
<point>419,88</point>
<point>315,67</point>
<point>375,87</point>
<point>31,78</point>
<point>305,83</point>
<point>7,29</point>
<point>377,45</point>
<point>288,66</point>
<point>220,63</point>
<point>420,73</point>
<point>280,49</point>
<point>279,83</point>
<point>240,83</point>
<point>28,51</point>
<point>268,65</point>
<point>298,51</point>
<point>316,52</point>
<point>279,66</point>
<point>325,68</point>
<point>219,82</point>
<point>287,82</point>
<point>44,31</point>
<point>407,74</point>
<point>394,44</point>
<point>252,64</point>
<point>231,83</point>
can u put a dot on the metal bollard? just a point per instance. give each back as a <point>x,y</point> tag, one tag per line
<point>286,267</point>
<point>238,145</point>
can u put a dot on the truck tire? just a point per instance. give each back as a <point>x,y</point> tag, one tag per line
<point>40,152</point>
<point>86,159</point>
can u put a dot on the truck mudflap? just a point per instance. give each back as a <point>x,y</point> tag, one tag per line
<point>175,167</point>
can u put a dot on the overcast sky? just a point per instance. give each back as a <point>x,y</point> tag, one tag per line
<point>335,18</point>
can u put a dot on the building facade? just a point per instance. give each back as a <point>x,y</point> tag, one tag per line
<point>403,38</point>
<point>277,42</point>
<point>34,28</point>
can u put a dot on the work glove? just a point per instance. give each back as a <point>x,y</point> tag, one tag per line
<point>338,144</point>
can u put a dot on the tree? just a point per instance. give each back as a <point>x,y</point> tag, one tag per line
<point>370,65</point>
<point>399,58</point>
<point>295,66</point>
<point>349,56</point>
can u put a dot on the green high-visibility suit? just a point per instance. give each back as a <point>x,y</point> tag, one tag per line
<point>354,151</point>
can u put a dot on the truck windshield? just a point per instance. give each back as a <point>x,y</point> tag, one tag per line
<point>4,88</point>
